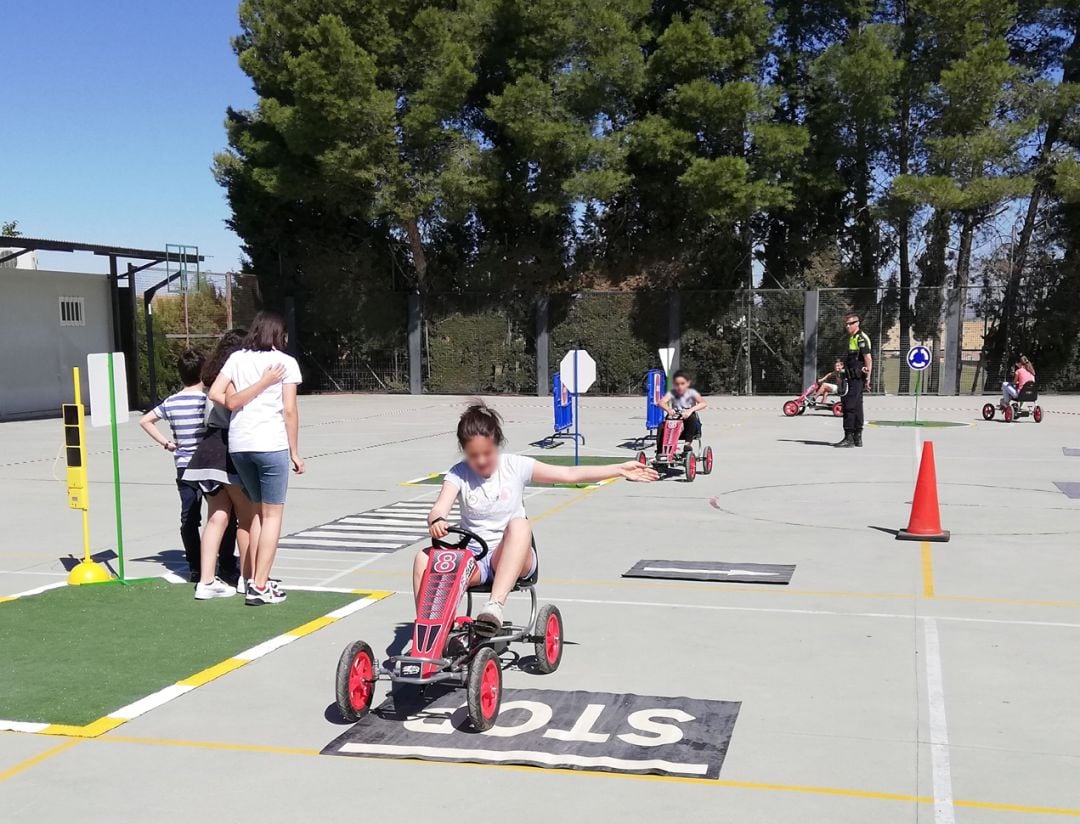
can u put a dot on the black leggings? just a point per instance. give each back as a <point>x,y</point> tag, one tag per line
<point>691,429</point>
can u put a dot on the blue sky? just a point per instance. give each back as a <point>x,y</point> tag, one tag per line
<point>112,113</point>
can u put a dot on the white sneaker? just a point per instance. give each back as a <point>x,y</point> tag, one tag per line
<point>490,619</point>
<point>216,589</point>
<point>241,585</point>
<point>267,595</point>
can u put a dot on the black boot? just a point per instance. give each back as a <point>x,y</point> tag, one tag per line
<point>847,443</point>
<point>858,437</point>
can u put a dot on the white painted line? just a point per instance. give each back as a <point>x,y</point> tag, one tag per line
<point>325,589</point>
<point>352,538</point>
<point>349,609</point>
<point>259,650</point>
<point>307,568</point>
<point>516,756</point>
<point>21,726</point>
<point>321,542</point>
<point>398,522</point>
<point>173,578</point>
<point>407,531</point>
<point>939,734</point>
<point>380,527</point>
<point>38,590</point>
<point>348,571</point>
<point>150,702</point>
<point>710,571</point>
<point>31,572</point>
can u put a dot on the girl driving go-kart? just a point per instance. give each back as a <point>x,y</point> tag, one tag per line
<point>490,486</point>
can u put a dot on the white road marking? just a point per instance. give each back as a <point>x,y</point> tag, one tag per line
<point>343,573</point>
<point>322,542</point>
<point>152,701</point>
<point>538,757</point>
<point>711,571</point>
<point>944,812</point>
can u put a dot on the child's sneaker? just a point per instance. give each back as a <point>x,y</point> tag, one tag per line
<point>241,585</point>
<point>215,589</point>
<point>257,596</point>
<point>490,619</point>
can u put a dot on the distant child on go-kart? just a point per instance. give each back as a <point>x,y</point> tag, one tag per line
<point>830,384</point>
<point>688,401</point>
<point>489,485</point>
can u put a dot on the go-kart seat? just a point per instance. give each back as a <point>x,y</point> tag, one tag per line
<point>1028,394</point>
<point>521,584</point>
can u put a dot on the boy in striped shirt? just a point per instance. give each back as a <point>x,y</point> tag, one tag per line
<point>186,413</point>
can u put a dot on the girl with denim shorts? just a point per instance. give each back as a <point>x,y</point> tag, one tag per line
<point>258,386</point>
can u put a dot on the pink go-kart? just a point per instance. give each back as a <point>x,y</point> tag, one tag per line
<point>672,453</point>
<point>446,646</point>
<point>808,400</point>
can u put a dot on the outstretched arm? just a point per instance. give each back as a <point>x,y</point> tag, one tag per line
<point>631,470</point>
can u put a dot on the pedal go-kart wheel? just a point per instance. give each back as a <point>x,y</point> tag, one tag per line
<point>988,411</point>
<point>549,632</point>
<point>642,459</point>
<point>355,683</point>
<point>791,409</point>
<point>1036,414</point>
<point>484,689</point>
<point>838,410</point>
<point>706,461</point>
<point>690,466</point>
<point>1009,415</point>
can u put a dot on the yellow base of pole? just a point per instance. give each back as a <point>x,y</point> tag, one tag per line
<point>88,572</point>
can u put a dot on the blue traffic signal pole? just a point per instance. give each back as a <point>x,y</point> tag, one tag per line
<point>577,407</point>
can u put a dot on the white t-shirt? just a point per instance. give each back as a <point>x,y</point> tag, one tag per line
<point>259,425</point>
<point>489,504</point>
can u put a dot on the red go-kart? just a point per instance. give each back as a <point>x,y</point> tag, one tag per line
<point>672,453</point>
<point>808,400</point>
<point>446,646</point>
<point>1024,405</point>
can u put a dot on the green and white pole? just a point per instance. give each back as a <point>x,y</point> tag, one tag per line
<point>116,471</point>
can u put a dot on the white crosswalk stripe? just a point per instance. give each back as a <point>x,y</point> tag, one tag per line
<point>386,529</point>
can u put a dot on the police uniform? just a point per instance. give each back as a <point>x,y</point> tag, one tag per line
<point>858,349</point>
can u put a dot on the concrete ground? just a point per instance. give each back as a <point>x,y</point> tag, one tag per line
<point>890,682</point>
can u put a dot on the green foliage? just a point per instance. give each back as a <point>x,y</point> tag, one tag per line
<point>10,228</point>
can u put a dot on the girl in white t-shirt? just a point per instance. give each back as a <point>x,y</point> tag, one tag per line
<point>258,386</point>
<point>490,487</point>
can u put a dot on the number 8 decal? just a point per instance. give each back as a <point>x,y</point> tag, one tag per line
<point>445,562</point>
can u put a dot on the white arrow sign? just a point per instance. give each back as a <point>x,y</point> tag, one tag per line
<point>667,355</point>
<point>577,371</point>
<point>711,571</point>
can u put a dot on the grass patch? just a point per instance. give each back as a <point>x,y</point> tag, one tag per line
<point>927,424</point>
<point>74,654</point>
<point>554,460</point>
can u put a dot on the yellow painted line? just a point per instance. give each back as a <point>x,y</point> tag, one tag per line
<point>373,594</point>
<point>6,598</point>
<point>210,673</point>
<point>23,766</point>
<point>927,570</point>
<point>560,507</point>
<point>420,481</point>
<point>311,626</point>
<point>91,730</point>
<point>761,786</point>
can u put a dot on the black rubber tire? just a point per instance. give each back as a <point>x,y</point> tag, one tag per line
<point>544,664</point>
<point>705,464</point>
<point>1037,414</point>
<point>689,467</point>
<point>341,682</point>
<point>988,412</point>
<point>474,691</point>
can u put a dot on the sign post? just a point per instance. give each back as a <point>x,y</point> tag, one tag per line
<point>578,371</point>
<point>108,391</point>
<point>87,571</point>
<point>667,356</point>
<point>918,359</point>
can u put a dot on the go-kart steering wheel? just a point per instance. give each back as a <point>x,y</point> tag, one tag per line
<point>466,537</point>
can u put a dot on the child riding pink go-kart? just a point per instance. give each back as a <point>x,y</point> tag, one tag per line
<point>810,399</point>
<point>446,646</point>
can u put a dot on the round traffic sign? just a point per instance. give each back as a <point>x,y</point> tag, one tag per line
<point>578,371</point>
<point>918,358</point>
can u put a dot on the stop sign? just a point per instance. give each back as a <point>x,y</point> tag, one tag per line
<point>578,371</point>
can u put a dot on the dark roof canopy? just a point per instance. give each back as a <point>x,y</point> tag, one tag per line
<point>29,244</point>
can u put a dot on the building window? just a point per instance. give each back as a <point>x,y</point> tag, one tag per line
<point>71,312</point>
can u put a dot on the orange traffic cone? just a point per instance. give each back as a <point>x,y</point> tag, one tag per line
<point>925,522</point>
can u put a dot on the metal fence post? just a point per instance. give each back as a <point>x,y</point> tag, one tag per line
<point>810,337</point>
<point>675,328</point>
<point>953,331</point>
<point>543,339</point>
<point>416,380</point>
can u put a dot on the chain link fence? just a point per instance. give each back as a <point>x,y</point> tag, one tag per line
<point>750,341</point>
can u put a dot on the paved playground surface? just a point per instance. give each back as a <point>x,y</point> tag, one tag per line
<point>889,682</point>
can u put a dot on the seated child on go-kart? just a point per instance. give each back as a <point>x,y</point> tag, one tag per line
<point>688,401</point>
<point>489,485</point>
<point>830,384</point>
<point>1023,372</point>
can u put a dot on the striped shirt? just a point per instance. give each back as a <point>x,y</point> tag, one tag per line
<point>186,413</point>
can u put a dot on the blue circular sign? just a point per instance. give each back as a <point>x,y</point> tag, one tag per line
<point>918,358</point>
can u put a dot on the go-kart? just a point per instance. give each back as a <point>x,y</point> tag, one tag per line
<point>673,454</point>
<point>1022,406</point>
<point>446,646</point>
<point>808,400</point>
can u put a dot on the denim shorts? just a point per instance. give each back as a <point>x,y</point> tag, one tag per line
<point>264,475</point>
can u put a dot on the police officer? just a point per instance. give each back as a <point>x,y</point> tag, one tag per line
<point>857,365</point>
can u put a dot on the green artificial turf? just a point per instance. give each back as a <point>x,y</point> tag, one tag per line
<point>554,460</point>
<point>928,424</point>
<point>74,654</point>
